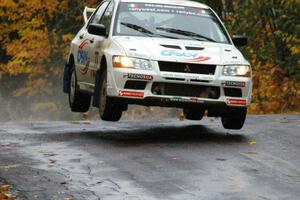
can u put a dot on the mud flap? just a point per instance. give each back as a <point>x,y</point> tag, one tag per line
<point>66,79</point>
<point>96,91</point>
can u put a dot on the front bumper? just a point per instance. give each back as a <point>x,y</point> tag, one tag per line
<point>137,87</point>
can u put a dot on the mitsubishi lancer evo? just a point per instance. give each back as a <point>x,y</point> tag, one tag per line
<point>158,53</point>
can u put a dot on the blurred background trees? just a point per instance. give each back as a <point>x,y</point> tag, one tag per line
<point>35,36</point>
<point>273,28</point>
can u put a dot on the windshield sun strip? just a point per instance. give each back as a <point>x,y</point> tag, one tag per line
<point>192,37</point>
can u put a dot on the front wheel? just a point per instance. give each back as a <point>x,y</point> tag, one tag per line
<point>234,118</point>
<point>108,110</point>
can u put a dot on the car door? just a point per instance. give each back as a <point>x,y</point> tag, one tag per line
<point>85,48</point>
<point>99,41</point>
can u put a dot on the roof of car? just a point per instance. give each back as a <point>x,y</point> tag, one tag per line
<point>172,2</point>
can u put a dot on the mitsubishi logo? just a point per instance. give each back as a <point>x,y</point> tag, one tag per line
<point>187,69</point>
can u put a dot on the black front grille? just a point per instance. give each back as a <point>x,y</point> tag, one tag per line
<point>184,90</point>
<point>187,68</point>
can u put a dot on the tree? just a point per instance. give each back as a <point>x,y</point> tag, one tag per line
<point>34,37</point>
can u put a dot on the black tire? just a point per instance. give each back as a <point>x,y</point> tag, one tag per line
<point>234,118</point>
<point>108,110</point>
<point>78,101</point>
<point>194,114</point>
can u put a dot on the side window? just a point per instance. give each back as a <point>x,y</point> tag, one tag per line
<point>107,17</point>
<point>98,14</point>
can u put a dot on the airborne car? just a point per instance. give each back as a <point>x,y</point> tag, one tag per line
<point>158,53</point>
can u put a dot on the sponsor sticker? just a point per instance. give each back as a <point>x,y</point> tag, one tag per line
<point>187,56</point>
<point>132,5</point>
<point>139,77</point>
<point>234,84</point>
<point>236,102</point>
<point>186,100</point>
<point>165,8</point>
<point>82,57</point>
<point>202,11</point>
<point>84,43</point>
<point>131,94</point>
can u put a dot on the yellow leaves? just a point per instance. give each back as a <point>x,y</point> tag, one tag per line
<point>67,37</point>
<point>24,35</point>
<point>35,23</point>
<point>30,38</point>
<point>51,6</point>
<point>295,50</point>
<point>252,142</point>
<point>293,43</point>
<point>273,92</point>
<point>30,51</point>
<point>8,4</point>
<point>4,192</point>
<point>63,6</point>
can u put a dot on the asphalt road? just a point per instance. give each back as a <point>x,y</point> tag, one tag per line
<point>155,159</point>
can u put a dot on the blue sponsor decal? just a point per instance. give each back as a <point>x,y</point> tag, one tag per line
<point>82,57</point>
<point>179,54</point>
<point>186,56</point>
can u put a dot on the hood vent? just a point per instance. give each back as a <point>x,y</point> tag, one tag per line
<point>194,48</point>
<point>170,46</point>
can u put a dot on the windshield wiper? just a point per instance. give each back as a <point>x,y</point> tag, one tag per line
<point>185,33</point>
<point>137,28</point>
<point>144,30</point>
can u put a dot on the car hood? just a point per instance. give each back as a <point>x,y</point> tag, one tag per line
<point>175,50</point>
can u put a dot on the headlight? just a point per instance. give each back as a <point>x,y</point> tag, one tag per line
<point>128,62</point>
<point>237,70</point>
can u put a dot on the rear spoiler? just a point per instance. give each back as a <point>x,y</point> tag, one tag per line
<point>87,13</point>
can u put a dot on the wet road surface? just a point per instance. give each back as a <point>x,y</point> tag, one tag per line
<point>154,159</point>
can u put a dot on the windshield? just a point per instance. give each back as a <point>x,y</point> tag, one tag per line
<point>171,21</point>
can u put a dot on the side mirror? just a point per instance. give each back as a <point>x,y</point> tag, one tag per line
<point>97,29</point>
<point>239,40</point>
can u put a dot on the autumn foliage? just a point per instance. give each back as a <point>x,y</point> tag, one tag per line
<point>35,36</point>
<point>4,192</point>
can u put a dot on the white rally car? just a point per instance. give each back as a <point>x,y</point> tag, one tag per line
<point>158,53</point>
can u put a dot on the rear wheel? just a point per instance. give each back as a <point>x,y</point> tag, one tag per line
<point>78,101</point>
<point>234,118</point>
<point>194,114</point>
<point>108,110</point>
